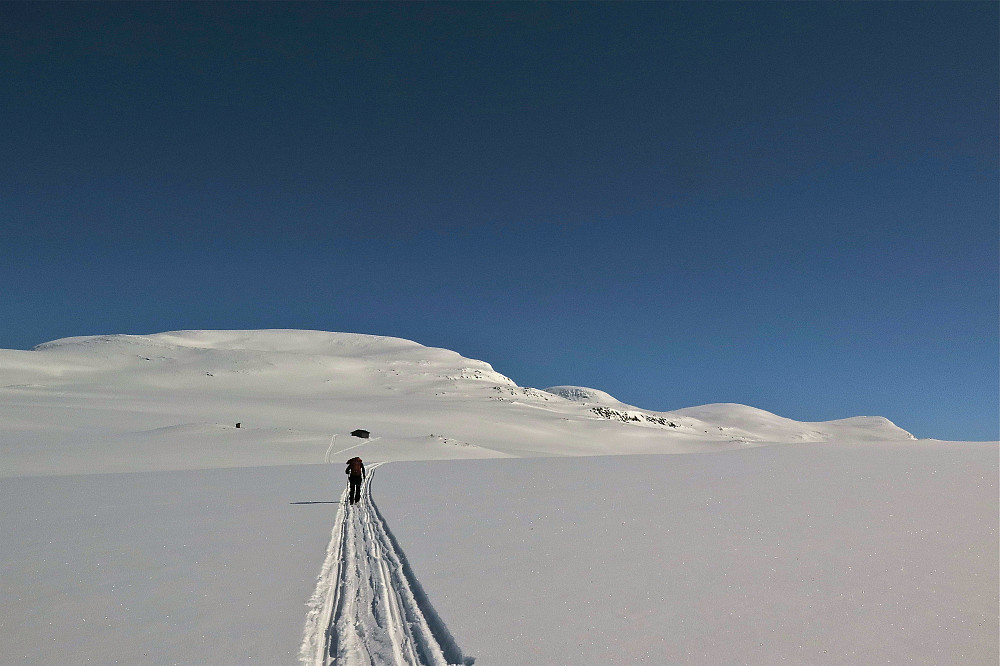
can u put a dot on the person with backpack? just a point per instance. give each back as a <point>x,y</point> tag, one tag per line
<point>356,475</point>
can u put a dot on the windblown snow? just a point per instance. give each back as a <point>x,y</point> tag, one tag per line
<point>169,498</point>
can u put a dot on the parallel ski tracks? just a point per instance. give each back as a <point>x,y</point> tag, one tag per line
<point>367,609</point>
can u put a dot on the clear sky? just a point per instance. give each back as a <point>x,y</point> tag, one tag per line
<point>791,206</point>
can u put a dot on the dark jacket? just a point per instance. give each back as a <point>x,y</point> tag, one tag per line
<point>355,468</point>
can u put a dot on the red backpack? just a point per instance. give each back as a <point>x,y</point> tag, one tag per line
<point>355,467</point>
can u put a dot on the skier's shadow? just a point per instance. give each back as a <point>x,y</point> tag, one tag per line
<point>338,502</point>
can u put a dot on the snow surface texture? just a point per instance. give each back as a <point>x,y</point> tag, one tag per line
<point>127,539</point>
<point>183,567</point>
<point>368,607</point>
<point>839,553</point>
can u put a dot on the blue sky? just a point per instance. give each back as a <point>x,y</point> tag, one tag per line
<point>791,206</point>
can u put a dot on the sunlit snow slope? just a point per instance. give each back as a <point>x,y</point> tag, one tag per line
<point>172,401</point>
<point>828,548</point>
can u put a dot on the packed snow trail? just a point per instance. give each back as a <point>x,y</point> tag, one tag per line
<point>368,609</point>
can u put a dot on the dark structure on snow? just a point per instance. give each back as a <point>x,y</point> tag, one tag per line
<point>363,434</point>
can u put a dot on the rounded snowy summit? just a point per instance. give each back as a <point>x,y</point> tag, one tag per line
<point>585,395</point>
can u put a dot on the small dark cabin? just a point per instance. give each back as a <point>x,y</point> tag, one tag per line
<point>363,434</point>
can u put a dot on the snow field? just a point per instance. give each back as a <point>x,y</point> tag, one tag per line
<point>208,567</point>
<point>142,527</point>
<point>838,553</point>
<point>129,403</point>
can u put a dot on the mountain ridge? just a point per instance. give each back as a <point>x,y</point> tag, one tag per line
<point>66,403</point>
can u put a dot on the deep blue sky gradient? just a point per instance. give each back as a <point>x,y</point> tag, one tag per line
<point>792,206</point>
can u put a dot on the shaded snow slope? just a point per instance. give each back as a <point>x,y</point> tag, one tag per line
<point>830,553</point>
<point>207,567</point>
<point>172,401</point>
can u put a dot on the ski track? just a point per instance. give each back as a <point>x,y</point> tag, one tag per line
<point>368,609</point>
<point>327,457</point>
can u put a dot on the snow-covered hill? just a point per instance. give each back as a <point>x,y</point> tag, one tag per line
<point>845,543</point>
<point>172,401</point>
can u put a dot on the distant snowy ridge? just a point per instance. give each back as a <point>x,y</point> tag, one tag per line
<point>172,401</point>
<point>735,417</point>
<point>267,351</point>
<point>740,422</point>
<point>288,341</point>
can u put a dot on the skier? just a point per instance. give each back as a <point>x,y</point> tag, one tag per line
<point>356,474</point>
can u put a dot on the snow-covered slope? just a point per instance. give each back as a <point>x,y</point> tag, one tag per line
<point>740,423</point>
<point>211,547</point>
<point>172,401</point>
<point>586,395</point>
<point>753,422</point>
